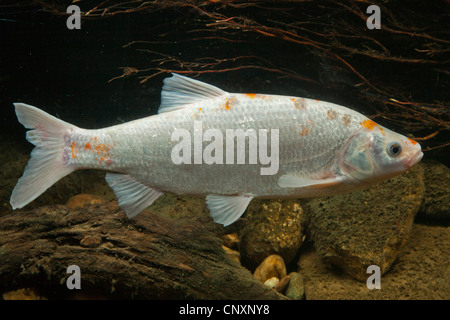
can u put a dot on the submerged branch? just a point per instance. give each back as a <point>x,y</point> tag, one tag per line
<point>39,245</point>
<point>412,43</point>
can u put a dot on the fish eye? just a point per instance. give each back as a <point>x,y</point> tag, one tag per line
<point>394,149</point>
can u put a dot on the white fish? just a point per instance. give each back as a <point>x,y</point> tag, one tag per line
<point>316,149</point>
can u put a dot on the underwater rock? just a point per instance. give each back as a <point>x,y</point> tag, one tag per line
<point>83,199</point>
<point>367,227</point>
<point>272,266</point>
<point>274,227</point>
<point>233,254</point>
<point>23,294</point>
<point>420,272</point>
<point>436,204</point>
<point>230,240</point>
<point>180,206</point>
<point>281,286</point>
<point>296,288</point>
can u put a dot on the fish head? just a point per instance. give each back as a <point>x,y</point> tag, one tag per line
<point>374,154</point>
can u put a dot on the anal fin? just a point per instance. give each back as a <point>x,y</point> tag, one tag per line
<point>133,196</point>
<point>227,209</point>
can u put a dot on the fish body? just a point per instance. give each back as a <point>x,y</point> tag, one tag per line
<point>228,147</point>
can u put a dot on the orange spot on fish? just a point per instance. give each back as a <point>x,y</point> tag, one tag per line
<point>251,95</point>
<point>229,103</point>
<point>73,149</point>
<point>412,141</point>
<point>305,131</point>
<point>101,150</point>
<point>369,124</point>
<point>227,106</point>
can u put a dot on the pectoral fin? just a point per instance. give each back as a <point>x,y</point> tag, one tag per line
<point>227,209</point>
<point>290,181</point>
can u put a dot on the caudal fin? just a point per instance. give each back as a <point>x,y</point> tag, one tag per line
<point>46,165</point>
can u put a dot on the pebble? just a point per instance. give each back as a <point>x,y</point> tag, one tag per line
<point>233,254</point>
<point>272,282</point>
<point>91,241</point>
<point>230,240</point>
<point>83,199</point>
<point>281,286</point>
<point>296,287</point>
<point>274,227</point>
<point>272,266</point>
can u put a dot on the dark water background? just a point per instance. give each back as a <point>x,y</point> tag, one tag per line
<point>66,72</point>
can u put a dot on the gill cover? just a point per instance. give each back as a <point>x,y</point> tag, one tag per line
<point>356,161</point>
<point>376,154</point>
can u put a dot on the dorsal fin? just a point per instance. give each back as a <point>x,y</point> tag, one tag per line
<point>179,91</point>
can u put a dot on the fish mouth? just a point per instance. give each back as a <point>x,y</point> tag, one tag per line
<point>415,158</point>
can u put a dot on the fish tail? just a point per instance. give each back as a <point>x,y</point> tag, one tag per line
<point>47,164</point>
